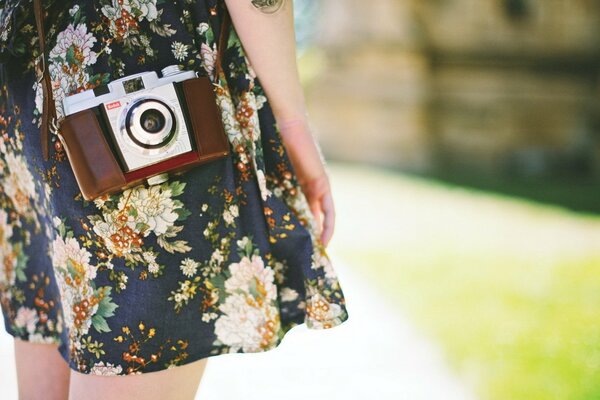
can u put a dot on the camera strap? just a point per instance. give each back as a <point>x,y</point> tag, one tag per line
<point>48,107</point>
<point>43,78</point>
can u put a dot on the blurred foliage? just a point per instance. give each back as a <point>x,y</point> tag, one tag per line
<point>580,194</point>
<point>508,287</point>
<point>311,59</point>
<point>305,15</point>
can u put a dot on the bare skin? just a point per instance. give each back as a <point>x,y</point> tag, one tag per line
<point>178,383</point>
<point>269,42</point>
<point>40,369</point>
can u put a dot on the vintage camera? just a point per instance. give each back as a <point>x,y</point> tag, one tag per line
<point>141,127</point>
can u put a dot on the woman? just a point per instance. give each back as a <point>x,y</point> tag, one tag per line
<point>137,289</point>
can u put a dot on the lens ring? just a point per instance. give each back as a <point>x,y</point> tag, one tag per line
<point>143,137</point>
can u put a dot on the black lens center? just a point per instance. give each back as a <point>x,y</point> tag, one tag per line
<point>152,121</point>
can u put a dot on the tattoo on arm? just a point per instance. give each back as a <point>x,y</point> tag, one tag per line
<point>268,6</point>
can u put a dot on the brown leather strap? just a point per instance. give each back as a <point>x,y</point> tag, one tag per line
<point>49,107</point>
<point>222,45</point>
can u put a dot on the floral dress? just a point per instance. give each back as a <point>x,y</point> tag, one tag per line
<point>223,258</point>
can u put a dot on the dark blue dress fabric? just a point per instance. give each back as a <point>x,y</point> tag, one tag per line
<point>223,258</point>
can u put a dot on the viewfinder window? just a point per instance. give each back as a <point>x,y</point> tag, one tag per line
<point>133,85</point>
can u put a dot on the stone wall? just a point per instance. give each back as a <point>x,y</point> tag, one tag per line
<point>494,85</point>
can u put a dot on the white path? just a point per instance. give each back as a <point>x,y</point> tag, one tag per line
<point>8,376</point>
<point>377,352</point>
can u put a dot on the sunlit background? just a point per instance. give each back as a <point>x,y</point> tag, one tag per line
<point>464,146</point>
<point>463,143</point>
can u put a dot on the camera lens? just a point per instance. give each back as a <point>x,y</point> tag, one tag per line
<point>152,120</point>
<point>150,123</point>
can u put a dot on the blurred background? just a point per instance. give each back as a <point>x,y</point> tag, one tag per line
<point>463,140</point>
<point>463,143</point>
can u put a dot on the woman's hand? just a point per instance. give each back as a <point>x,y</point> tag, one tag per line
<point>309,165</point>
<point>270,44</point>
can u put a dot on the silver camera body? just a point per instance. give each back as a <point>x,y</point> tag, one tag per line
<point>142,113</point>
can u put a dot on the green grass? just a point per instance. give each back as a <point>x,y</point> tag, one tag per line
<point>510,288</point>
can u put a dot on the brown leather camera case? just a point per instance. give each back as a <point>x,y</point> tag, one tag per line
<point>98,172</point>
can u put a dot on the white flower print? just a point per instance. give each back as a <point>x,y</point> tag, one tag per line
<point>229,214</point>
<point>217,257</point>
<point>139,211</point>
<point>78,40</point>
<point>8,260</point>
<point>39,338</point>
<point>202,28</point>
<point>250,318</point>
<point>180,50</point>
<point>260,101</point>
<point>39,96</point>
<point>4,22</point>
<point>243,242</point>
<point>26,318</point>
<point>245,326</point>
<point>320,313</point>
<point>252,271</point>
<point>153,267</point>
<point>19,184</point>
<point>288,294</point>
<point>147,7</point>
<point>250,69</point>
<point>154,206</point>
<point>109,228</point>
<point>208,57</point>
<point>189,267</point>
<point>6,229</point>
<point>149,257</point>
<point>107,369</point>
<point>99,201</point>
<point>262,184</point>
<point>321,260</point>
<point>68,250</point>
<point>69,60</point>
<point>123,281</point>
<point>230,123</point>
<point>123,11</point>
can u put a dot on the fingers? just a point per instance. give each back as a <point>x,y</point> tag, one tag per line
<point>328,220</point>
<point>315,208</point>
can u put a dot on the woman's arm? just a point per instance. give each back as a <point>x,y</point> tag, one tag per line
<point>270,45</point>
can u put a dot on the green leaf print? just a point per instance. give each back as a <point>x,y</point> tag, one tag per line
<point>210,37</point>
<point>61,228</point>
<point>70,56</point>
<point>183,213</point>
<point>22,259</point>
<point>141,226</point>
<point>100,78</point>
<point>71,268</point>
<point>176,187</point>
<point>219,282</point>
<point>252,289</point>
<point>100,324</point>
<point>106,307</point>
